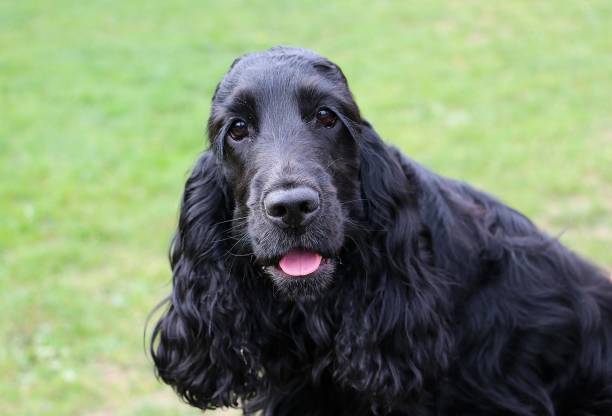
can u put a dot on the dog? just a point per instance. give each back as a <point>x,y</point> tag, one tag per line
<point>319,271</point>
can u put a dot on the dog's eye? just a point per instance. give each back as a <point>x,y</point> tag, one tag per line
<point>326,117</point>
<point>238,130</point>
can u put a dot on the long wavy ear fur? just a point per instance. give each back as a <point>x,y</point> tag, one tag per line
<point>395,341</point>
<point>198,344</point>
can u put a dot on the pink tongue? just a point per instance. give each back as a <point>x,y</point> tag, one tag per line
<point>300,262</point>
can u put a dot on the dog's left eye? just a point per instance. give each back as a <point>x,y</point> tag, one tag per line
<point>326,117</point>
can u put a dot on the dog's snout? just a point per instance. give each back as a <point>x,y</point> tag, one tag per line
<point>293,207</point>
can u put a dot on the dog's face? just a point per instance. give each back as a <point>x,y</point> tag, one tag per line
<point>295,181</point>
<point>282,120</point>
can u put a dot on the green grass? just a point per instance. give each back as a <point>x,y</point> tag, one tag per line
<point>102,108</point>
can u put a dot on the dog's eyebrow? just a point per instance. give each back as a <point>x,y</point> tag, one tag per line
<point>310,94</point>
<point>313,93</point>
<point>241,102</point>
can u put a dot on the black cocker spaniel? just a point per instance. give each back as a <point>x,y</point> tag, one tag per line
<point>318,271</point>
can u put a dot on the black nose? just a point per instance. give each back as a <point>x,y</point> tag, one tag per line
<point>293,207</point>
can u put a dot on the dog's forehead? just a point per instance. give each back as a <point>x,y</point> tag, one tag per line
<point>277,72</point>
<point>271,80</point>
<point>281,81</point>
<point>287,57</point>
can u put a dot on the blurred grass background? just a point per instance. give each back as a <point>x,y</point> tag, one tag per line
<point>102,111</point>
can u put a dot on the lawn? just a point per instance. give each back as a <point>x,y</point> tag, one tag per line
<point>102,112</point>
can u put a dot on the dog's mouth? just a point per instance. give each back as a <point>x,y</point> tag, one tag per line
<point>299,264</point>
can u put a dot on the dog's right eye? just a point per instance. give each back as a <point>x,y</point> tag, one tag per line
<point>238,130</point>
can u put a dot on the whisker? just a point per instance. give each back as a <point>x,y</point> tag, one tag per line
<point>229,251</point>
<point>352,200</point>
<point>233,227</point>
<point>240,255</point>
<point>224,239</point>
<point>333,161</point>
<point>230,220</point>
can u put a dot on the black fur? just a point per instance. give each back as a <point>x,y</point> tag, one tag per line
<point>438,300</point>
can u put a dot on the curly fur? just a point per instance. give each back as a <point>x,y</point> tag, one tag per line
<point>444,301</point>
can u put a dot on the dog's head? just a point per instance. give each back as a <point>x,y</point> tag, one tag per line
<point>283,126</point>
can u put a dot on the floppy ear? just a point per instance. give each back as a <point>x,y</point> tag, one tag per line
<point>399,340</point>
<point>384,185</point>
<point>200,344</point>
